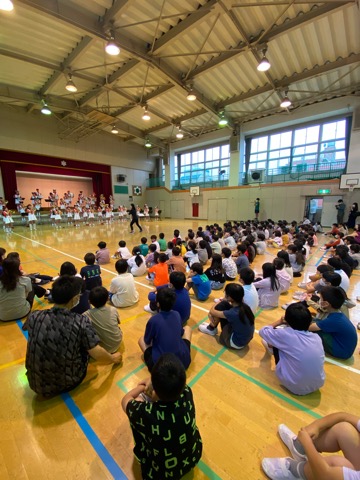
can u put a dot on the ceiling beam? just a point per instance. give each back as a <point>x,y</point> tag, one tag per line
<point>80,49</point>
<point>89,24</point>
<point>136,101</point>
<point>45,64</point>
<point>189,22</point>
<point>113,11</point>
<point>178,120</point>
<point>262,39</point>
<point>288,81</point>
<point>130,65</point>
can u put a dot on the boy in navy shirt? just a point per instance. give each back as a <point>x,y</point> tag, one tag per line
<point>337,333</point>
<point>164,332</point>
<point>91,273</point>
<point>182,303</point>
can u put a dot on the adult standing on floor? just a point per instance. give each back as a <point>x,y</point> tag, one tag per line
<point>257,208</point>
<point>354,212</point>
<point>134,218</point>
<point>340,207</point>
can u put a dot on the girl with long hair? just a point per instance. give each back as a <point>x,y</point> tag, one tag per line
<point>16,292</point>
<point>235,317</point>
<point>297,258</point>
<point>137,263</point>
<point>269,287</point>
<point>216,273</point>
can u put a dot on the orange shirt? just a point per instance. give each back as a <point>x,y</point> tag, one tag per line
<point>161,271</point>
<point>177,264</point>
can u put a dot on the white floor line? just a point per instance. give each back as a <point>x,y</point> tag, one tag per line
<point>102,268</point>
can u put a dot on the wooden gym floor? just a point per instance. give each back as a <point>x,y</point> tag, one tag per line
<point>86,435</point>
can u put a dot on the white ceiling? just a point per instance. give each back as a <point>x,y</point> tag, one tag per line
<point>166,46</point>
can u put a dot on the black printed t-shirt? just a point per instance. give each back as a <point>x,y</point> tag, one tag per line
<point>91,275</point>
<point>167,440</point>
<point>57,351</point>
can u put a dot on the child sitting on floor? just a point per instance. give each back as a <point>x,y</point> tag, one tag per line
<point>235,317</point>
<point>299,355</point>
<point>172,410</point>
<point>105,319</point>
<point>199,282</point>
<point>164,332</point>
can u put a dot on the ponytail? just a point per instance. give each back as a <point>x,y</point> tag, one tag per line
<point>138,258</point>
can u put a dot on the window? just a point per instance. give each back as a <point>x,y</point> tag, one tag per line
<point>306,148</point>
<point>210,164</point>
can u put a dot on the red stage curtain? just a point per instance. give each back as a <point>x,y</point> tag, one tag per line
<point>11,161</point>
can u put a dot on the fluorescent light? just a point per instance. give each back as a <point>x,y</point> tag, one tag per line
<point>112,48</point>
<point>114,130</point>
<point>70,86</point>
<point>285,102</point>
<point>6,5</point>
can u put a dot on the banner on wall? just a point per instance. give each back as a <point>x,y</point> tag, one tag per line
<point>137,190</point>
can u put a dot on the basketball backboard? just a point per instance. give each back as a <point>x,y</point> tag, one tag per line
<point>350,181</point>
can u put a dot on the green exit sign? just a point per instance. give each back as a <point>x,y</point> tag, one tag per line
<point>324,191</point>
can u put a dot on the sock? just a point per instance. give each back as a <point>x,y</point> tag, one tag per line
<point>292,465</point>
<point>210,327</point>
<point>299,447</point>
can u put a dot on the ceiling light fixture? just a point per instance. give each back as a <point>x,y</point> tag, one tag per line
<point>148,144</point>
<point>222,120</point>
<point>45,110</point>
<point>191,95</point>
<point>6,5</point>
<point>146,115</point>
<point>70,86</point>
<point>285,102</point>
<point>179,133</point>
<point>114,130</point>
<point>111,47</point>
<point>264,63</point>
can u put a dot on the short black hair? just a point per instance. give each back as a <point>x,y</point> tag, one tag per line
<point>333,295</point>
<point>333,278</point>
<point>143,240</point>
<point>163,258</point>
<point>102,245</point>
<point>322,268</point>
<point>298,316</point>
<point>176,251</point>
<point>166,297</point>
<point>65,288</point>
<point>122,244</point>
<point>178,280</point>
<point>247,275</point>
<point>226,252</point>
<point>161,235</point>
<point>241,248</point>
<point>89,259</point>
<point>279,263</point>
<point>98,296</point>
<point>121,266</point>
<point>335,262</point>
<point>152,248</point>
<point>68,268</point>
<point>261,236</point>
<point>168,377</point>
<point>197,268</point>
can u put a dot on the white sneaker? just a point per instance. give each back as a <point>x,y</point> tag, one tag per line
<point>288,437</point>
<point>269,349</point>
<point>302,285</point>
<point>148,309</point>
<point>218,300</point>
<point>277,468</point>
<point>204,329</point>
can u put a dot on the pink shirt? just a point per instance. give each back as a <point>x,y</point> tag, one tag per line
<point>102,256</point>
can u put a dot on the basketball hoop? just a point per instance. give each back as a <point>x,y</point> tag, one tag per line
<point>351,188</point>
<point>192,195</point>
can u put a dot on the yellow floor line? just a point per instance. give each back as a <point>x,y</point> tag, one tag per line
<point>10,364</point>
<point>133,317</point>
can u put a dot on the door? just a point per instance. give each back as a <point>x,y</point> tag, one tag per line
<point>217,209</point>
<point>177,209</point>
<point>313,209</point>
<point>329,211</point>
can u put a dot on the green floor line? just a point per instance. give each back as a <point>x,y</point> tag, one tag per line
<point>206,368</point>
<point>208,471</point>
<point>207,354</point>
<point>137,369</point>
<point>279,395</point>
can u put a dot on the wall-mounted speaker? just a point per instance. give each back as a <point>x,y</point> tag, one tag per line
<point>120,178</point>
<point>234,143</point>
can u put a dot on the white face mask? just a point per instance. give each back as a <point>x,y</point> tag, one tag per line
<point>322,282</point>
